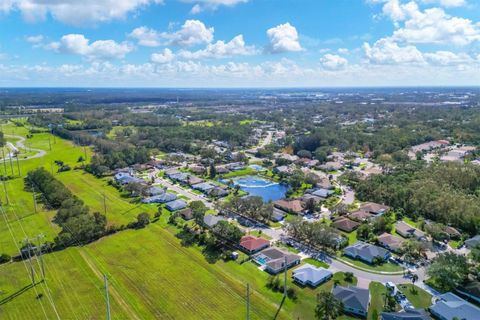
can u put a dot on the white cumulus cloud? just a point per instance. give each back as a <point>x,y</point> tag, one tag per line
<point>77,44</point>
<point>191,33</point>
<point>75,12</point>
<point>203,5</point>
<point>386,51</point>
<point>283,38</point>
<point>333,62</point>
<point>164,57</point>
<point>221,49</point>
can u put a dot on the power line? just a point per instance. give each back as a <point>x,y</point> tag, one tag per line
<point>105,279</point>
<point>24,263</point>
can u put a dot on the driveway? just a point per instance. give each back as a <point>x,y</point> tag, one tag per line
<point>20,145</point>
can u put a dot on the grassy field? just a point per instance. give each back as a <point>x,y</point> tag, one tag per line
<point>417,296</point>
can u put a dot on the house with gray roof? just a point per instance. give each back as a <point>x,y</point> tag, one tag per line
<point>161,198</point>
<point>311,275</point>
<point>273,259</point>
<point>211,220</point>
<point>472,242</point>
<point>471,290</point>
<point>155,191</point>
<point>450,306</point>
<point>204,186</point>
<point>277,215</point>
<point>415,314</point>
<point>176,205</point>
<point>179,176</point>
<point>366,252</point>
<point>322,193</point>
<point>407,231</point>
<point>126,178</point>
<point>355,300</point>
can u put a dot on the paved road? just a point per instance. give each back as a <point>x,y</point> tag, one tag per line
<point>184,192</point>
<point>20,145</point>
<point>337,265</point>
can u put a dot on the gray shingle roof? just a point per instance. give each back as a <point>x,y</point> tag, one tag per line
<point>451,305</point>
<point>352,297</point>
<point>176,205</point>
<point>366,251</point>
<point>311,274</point>
<point>417,314</point>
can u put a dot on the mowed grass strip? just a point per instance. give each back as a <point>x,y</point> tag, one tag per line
<point>75,291</point>
<point>120,211</point>
<point>162,279</point>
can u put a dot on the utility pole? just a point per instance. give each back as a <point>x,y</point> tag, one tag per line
<point>248,301</point>
<point>6,192</point>
<point>34,199</point>
<point>85,153</point>
<point>49,143</point>
<point>18,167</point>
<point>285,280</point>
<point>11,165</point>
<point>39,251</point>
<point>4,161</point>
<point>29,248</point>
<point>105,279</point>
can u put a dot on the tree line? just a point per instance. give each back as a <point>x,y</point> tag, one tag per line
<point>448,193</point>
<point>79,225</point>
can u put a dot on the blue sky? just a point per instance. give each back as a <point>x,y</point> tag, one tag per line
<point>239,43</point>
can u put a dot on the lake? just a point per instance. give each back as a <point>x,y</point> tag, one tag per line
<point>256,186</point>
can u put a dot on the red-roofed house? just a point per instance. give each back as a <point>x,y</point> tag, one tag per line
<point>251,244</point>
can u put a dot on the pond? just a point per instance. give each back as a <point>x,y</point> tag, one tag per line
<point>261,187</point>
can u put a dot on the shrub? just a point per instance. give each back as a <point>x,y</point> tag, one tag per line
<point>4,258</point>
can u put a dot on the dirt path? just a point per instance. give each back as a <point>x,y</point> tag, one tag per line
<point>21,145</point>
<point>111,290</point>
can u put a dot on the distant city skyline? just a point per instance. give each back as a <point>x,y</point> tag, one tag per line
<point>239,43</point>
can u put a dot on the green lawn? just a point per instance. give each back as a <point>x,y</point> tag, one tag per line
<point>410,221</point>
<point>352,237</point>
<point>387,266</point>
<point>239,173</point>
<point>417,296</point>
<point>316,263</point>
<point>377,300</point>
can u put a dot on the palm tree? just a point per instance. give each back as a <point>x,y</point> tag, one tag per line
<point>328,307</point>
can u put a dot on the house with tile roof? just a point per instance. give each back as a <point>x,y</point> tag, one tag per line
<point>251,244</point>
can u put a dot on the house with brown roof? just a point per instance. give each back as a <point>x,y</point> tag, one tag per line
<point>292,206</point>
<point>452,232</point>
<point>360,215</point>
<point>251,244</point>
<point>374,208</point>
<point>345,224</point>
<point>194,180</point>
<point>390,242</point>
<point>186,214</point>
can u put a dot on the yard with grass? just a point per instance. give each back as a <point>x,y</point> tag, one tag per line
<point>417,296</point>
<point>377,300</point>
<point>384,267</point>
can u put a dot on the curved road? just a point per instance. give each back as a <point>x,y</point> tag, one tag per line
<point>20,145</point>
